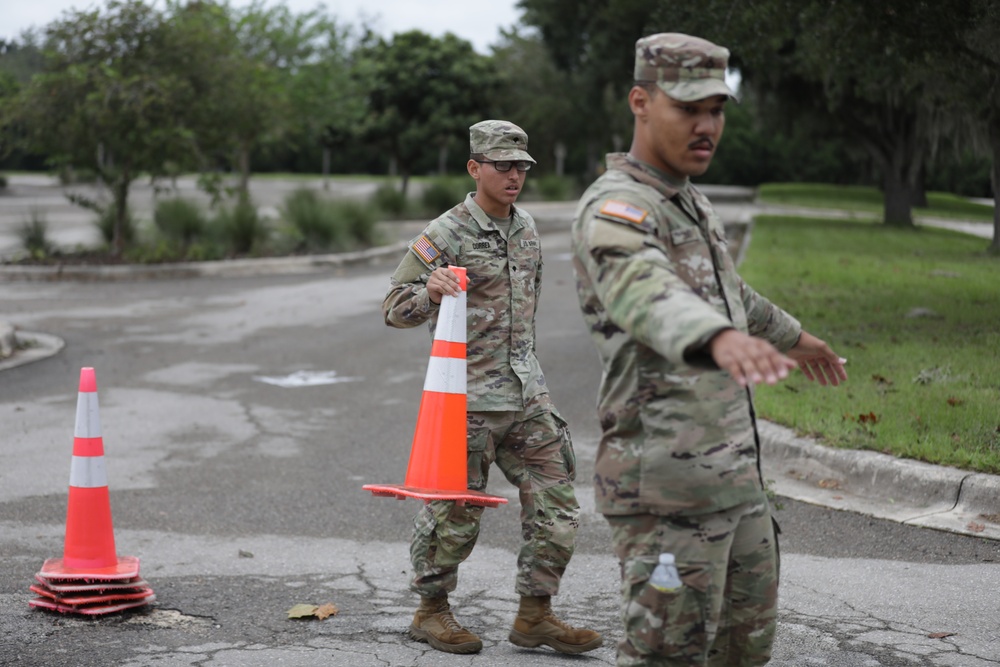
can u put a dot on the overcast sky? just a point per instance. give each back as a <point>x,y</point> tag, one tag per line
<point>476,21</point>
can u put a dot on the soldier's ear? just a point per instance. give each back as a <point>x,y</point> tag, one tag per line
<point>638,100</point>
<point>473,168</point>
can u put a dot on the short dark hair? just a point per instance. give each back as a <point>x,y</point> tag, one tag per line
<point>649,86</point>
<point>478,157</point>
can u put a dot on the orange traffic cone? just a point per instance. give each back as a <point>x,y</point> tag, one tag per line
<point>438,457</point>
<point>89,548</point>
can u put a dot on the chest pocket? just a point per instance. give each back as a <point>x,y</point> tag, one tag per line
<point>484,256</point>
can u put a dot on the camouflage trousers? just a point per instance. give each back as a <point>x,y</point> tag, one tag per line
<point>533,450</point>
<point>725,614</point>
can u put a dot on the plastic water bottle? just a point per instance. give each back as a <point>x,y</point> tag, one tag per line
<point>665,577</point>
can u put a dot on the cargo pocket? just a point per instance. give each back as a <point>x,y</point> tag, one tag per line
<point>667,624</point>
<point>479,459</point>
<point>566,449</point>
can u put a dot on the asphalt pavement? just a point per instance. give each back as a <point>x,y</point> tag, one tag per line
<point>243,498</point>
<point>868,482</point>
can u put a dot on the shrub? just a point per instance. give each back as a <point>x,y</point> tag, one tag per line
<point>313,219</point>
<point>554,188</point>
<point>3,182</point>
<point>240,227</point>
<point>440,195</point>
<point>357,220</point>
<point>180,220</point>
<point>33,234</point>
<point>389,199</point>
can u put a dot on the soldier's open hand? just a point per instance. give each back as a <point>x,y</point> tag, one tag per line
<point>818,361</point>
<point>748,359</point>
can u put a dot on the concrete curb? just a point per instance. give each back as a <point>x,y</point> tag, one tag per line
<point>231,268</point>
<point>880,485</point>
<point>26,346</point>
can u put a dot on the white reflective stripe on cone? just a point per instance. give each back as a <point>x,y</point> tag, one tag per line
<point>445,375</point>
<point>451,322</point>
<point>88,418</point>
<point>88,472</point>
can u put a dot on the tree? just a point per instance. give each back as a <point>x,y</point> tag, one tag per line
<point>104,101</point>
<point>541,98</point>
<point>327,100</point>
<point>423,92</point>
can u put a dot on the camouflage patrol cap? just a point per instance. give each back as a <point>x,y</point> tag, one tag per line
<point>684,67</point>
<point>499,140</point>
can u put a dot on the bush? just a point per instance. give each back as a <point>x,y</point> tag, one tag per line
<point>357,220</point>
<point>33,234</point>
<point>240,227</point>
<point>389,199</point>
<point>68,175</point>
<point>314,220</point>
<point>440,195</point>
<point>554,188</point>
<point>180,220</point>
<point>3,182</point>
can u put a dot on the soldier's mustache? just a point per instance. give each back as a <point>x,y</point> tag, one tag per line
<point>702,143</point>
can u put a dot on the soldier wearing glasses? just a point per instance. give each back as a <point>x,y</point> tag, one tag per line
<point>511,419</point>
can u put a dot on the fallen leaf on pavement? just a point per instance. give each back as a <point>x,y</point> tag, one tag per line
<point>320,612</point>
<point>941,635</point>
<point>976,527</point>
<point>326,610</point>
<point>829,484</point>
<point>302,610</point>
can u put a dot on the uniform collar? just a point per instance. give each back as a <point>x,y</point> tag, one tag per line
<point>483,219</point>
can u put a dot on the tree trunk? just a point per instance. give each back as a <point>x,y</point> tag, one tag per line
<point>443,159</point>
<point>920,189</point>
<point>326,167</point>
<point>244,164</point>
<point>994,248</point>
<point>898,194</point>
<point>120,202</point>
<point>560,159</point>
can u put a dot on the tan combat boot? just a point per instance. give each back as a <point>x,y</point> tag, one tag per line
<point>435,624</point>
<point>536,625</point>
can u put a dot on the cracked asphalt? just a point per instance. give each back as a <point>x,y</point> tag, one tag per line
<point>242,498</point>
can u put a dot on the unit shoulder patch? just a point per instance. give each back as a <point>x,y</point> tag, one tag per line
<point>425,249</point>
<point>615,208</point>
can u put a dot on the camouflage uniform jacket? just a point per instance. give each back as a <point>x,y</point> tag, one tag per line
<point>655,284</point>
<point>504,283</point>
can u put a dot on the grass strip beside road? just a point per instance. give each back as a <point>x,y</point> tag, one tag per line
<point>916,314</point>
<point>868,200</point>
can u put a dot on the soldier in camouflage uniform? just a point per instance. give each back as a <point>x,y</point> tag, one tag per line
<point>511,419</point>
<point>683,341</point>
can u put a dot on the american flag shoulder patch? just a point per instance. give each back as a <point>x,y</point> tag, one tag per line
<point>425,249</point>
<point>624,210</point>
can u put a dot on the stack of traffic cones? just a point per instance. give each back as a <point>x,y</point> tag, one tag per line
<point>90,578</point>
<point>438,457</point>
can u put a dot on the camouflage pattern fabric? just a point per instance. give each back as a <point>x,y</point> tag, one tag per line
<point>724,614</point>
<point>504,283</point>
<point>655,284</point>
<point>533,450</point>
<point>499,140</point>
<point>684,67</point>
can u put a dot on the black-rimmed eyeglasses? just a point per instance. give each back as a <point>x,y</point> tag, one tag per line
<point>505,165</point>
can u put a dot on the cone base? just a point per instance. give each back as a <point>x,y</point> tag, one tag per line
<point>76,600</point>
<point>466,496</point>
<point>76,586</point>
<point>52,605</point>
<point>127,567</point>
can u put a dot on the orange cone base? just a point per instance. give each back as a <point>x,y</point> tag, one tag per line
<point>127,567</point>
<point>73,586</point>
<point>90,610</point>
<point>85,599</point>
<point>466,496</point>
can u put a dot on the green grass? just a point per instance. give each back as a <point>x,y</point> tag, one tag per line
<point>867,200</point>
<point>923,387</point>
